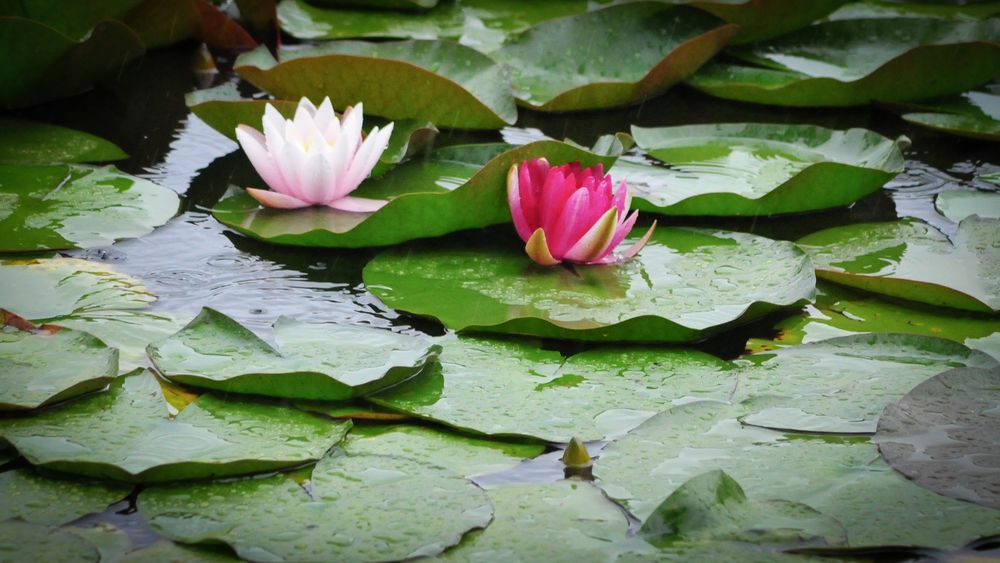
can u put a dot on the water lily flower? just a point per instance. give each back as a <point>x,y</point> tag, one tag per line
<point>314,158</point>
<point>565,213</point>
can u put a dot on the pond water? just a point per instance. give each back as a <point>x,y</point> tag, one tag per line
<point>194,261</point>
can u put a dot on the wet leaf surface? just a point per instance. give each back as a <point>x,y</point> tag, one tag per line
<point>31,142</point>
<point>959,204</point>
<point>45,500</point>
<point>47,544</point>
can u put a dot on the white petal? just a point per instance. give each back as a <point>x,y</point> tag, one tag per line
<point>338,161</point>
<point>274,119</point>
<point>366,157</point>
<point>305,105</point>
<point>255,147</point>
<point>275,200</point>
<point>291,162</point>
<point>358,204</point>
<point>311,178</point>
<point>325,114</point>
<point>350,128</point>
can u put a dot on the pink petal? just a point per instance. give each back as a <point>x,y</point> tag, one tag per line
<point>255,147</point>
<point>275,200</point>
<point>622,230</point>
<point>529,187</point>
<point>538,249</point>
<point>557,189</point>
<point>635,248</point>
<point>358,204</point>
<point>594,245</point>
<point>514,201</point>
<point>572,223</point>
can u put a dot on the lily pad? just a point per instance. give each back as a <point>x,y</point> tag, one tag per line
<point>45,289</point>
<point>46,500</point>
<point>358,508</point>
<point>21,541</point>
<point>311,361</point>
<point>464,455</point>
<point>912,260</point>
<point>30,142</point>
<point>456,188</point>
<point>853,62</point>
<point>712,507</point>
<point>838,476</point>
<point>44,64</point>
<point>112,544</point>
<point>764,19</point>
<point>973,114</point>
<point>632,52</point>
<point>77,206</point>
<point>942,435</point>
<point>445,83</point>
<point>959,204</point>
<point>126,434</point>
<point>895,8</point>
<point>51,364</point>
<point>685,285</point>
<point>508,388</point>
<point>841,385</point>
<point>168,551</point>
<point>481,24</point>
<point>127,331</point>
<point>751,169</point>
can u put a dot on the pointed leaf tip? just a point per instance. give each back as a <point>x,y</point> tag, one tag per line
<point>575,455</point>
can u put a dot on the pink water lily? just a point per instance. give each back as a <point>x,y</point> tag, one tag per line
<point>572,214</point>
<point>314,158</point>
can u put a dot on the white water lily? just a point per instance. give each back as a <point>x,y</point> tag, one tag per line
<point>314,158</point>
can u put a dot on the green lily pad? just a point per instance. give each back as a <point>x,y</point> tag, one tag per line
<point>854,62</point>
<point>46,289</point>
<point>973,114</point>
<point>358,508</point>
<point>45,500</point>
<point>712,507</point>
<point>566,521</point>
<point>127,331</point>
<point>126,434</point>
<point>685,285</point>
<point>508,388</point>
<point>21,541</point>
<point>942,435</point>
<point>77,206</point>
<point>45,64</point>
<point>632,52</point>
<point>456,188</point>
<point>464,455</point>
<point>893,8</point>
<point>168,551</point>
<point>30,142</point>
<point>51,364</point>
<point>751,169</point>
<point>445,83</point>
<point>912,260</point>
<point>481,24</point>
<point>311,361</point>
<point>841,385</point>
<point>839,311</point>
<point>838,476</point>
<point>959,204</point>
<point>112,544</point>
<point>764,19</point>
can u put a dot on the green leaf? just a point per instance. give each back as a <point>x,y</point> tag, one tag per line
<point>45,500</point>
<point>912,260</point>
<point>358,508</point>
<point>45,289</point>
<point>126,434</point>
<point>30,142</point>
<point>462,454</point>
<point>712,507</point>
<point>51,364</point>
<point>445,83</point>
<point>751,169</point>
<point>854,62</point>
<point>43,64</point>
<point>311,361</point>
<point>456,188</point>
<point>507,388</point>
<point>481,24</point>
<point>973,114</point>
<point>893,8</point>
<point>838,476</point>
<point>76,206</point>
<point>942,435</point>
<point>959,204</point>
<point>112,544</point>
<point>21,541</point>
<point>631,52</point>
<point>127,331</point>
<point>841,385</point>
<point>685,285</point>
<point>168,551</point>
<point>764,19</point>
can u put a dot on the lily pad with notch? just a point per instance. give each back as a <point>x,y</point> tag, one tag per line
<point>760,20</point>
<point>32,142</point>
<point>311,361</point>
<point>751,169</point>
<point>40,499</point>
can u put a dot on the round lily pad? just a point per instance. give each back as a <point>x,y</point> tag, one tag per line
<point>51,364</point>
<point>77,206</point>
<point>685,285</point>
<point>311,361</point>
<point>48,288</point>
<point>912,260</point>
<point>751,169</point>
<point>959,204</point>
<point>445,83</point>
<point>973,114</point>
<point>130,332</point>
<point>21,541</point>
<point>358,508</point>
<point>126,434</point>
<point>764,19</point>
<point>166,550</point>
<point>459,187</point>
<point>46,500</point>
<point>508,388</point>
<point>943,435</point>
<point>30,142</point>
<point>631,52</point>
<point>856,61</point>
